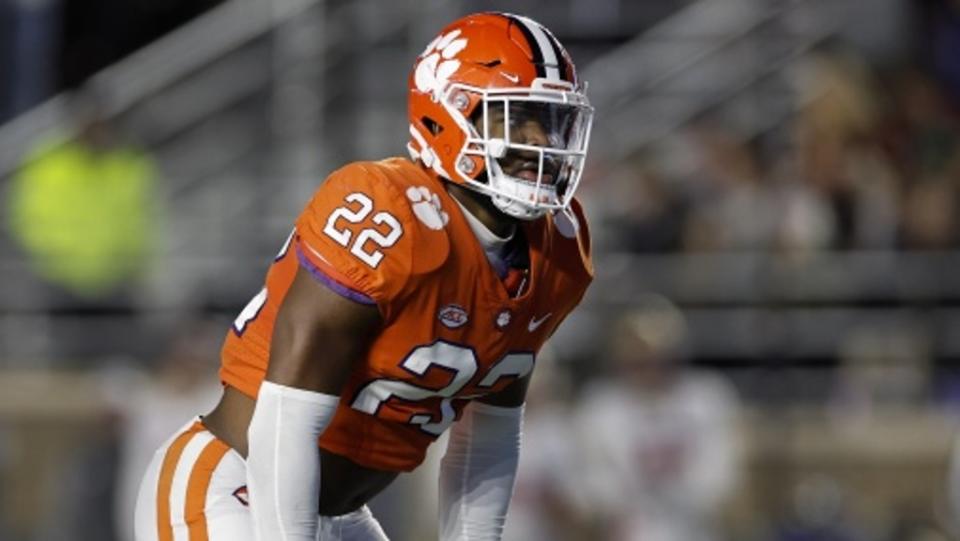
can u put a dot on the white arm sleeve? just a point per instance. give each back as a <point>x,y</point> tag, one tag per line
<point>477,473</point>
<point>283,461</point>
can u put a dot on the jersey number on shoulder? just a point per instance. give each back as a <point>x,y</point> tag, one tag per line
<point>252,309</point>
<point>460,361</point>
<point>358,207</point>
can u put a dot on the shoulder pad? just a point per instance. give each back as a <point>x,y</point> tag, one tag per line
<point>417,193</point>
<point>376,226</point>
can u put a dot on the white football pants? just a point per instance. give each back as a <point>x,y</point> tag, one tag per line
<point>195,490</point>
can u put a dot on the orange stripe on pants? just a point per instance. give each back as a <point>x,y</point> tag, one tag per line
<point>164,526</point>
<point>197,488</point>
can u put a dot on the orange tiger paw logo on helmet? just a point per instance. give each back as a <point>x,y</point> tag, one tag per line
<point>437,63</point>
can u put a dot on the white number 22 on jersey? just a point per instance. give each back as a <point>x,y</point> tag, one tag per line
<point>358,207</point>
<point>458,360</point>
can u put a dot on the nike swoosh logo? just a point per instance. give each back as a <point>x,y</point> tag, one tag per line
<point>534,322</point>
<point>511,77</point>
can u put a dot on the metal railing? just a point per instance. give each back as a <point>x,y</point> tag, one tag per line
<point>706,57</point>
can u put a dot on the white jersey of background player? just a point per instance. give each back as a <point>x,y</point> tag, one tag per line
<point>660,441</point>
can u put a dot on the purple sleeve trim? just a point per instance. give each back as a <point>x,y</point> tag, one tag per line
<point>334,285</point>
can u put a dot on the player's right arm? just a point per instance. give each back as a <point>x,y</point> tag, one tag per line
<point>317,337</point>
<point>327,319</point>
<point>354,243</point>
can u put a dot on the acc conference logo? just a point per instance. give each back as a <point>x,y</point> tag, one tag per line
<point>452,316</point>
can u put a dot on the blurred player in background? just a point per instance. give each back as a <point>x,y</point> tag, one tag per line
<point>412,297</point>
<point>662,452</point>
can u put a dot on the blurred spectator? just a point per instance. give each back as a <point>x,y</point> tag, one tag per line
<point>839,152</point>
<point>84,209</point>
<point>641,211</point>
<point>870,162</point>
<point>838,104</point>
<point>807,223</point>
<point>928,221</point>
<point>924,133</point>
<point>733,208</point>
<point>661,440</point>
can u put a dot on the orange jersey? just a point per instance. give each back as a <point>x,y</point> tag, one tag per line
<point>451,332</point>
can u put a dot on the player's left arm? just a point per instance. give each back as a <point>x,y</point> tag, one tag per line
<point>478,470</point>
<point>479,467</point>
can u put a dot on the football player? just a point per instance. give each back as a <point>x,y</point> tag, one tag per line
<point>411,298</point>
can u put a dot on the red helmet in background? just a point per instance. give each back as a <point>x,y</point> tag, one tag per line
<point>495,105</point>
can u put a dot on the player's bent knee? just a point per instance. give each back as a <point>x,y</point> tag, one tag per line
<point>359,525</point>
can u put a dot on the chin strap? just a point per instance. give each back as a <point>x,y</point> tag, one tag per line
<point>509,193</point>
<point>516,209</point>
